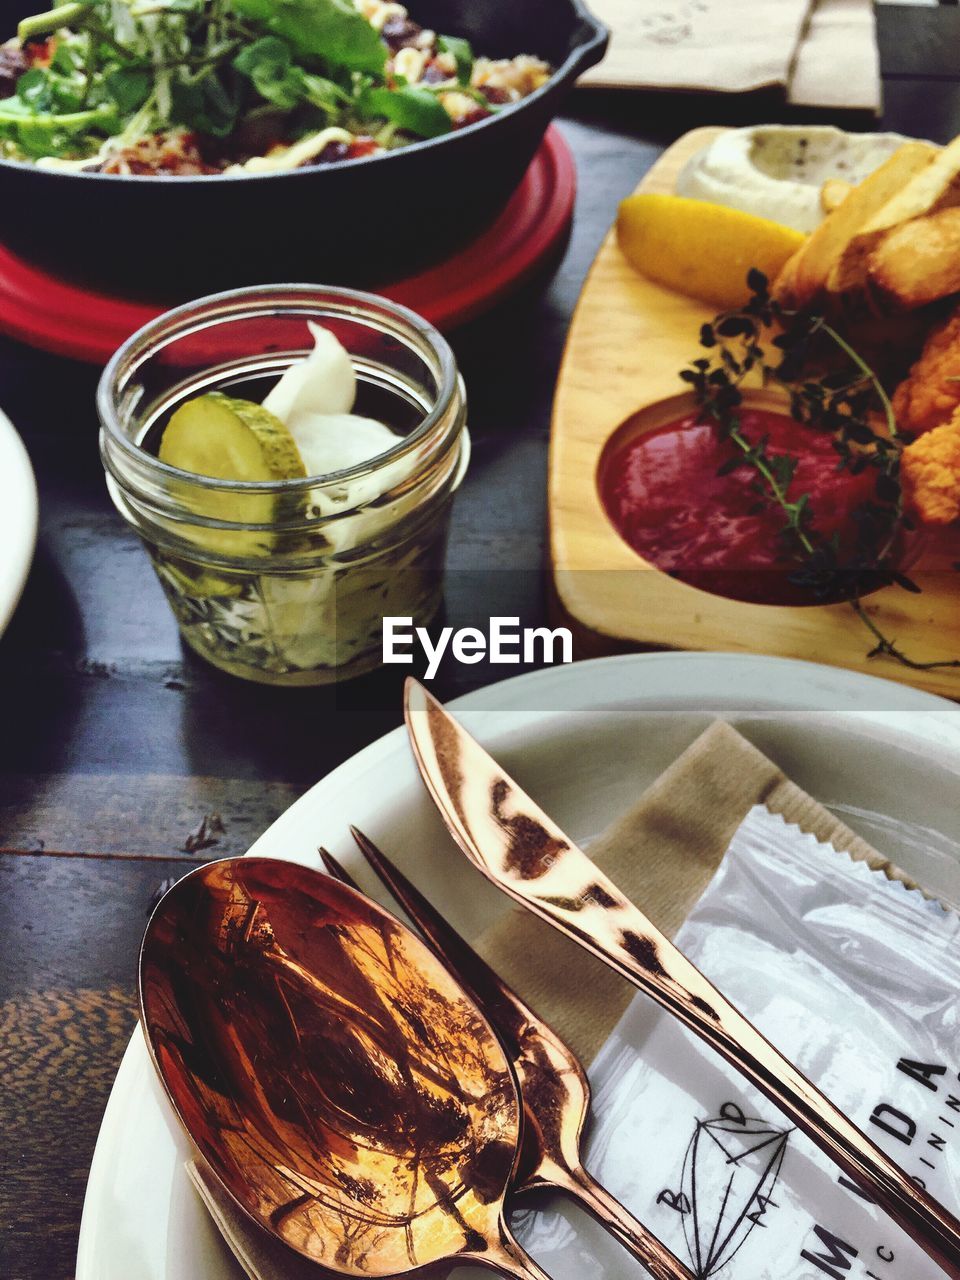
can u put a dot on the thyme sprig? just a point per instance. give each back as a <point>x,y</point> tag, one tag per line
<point>831,389</point>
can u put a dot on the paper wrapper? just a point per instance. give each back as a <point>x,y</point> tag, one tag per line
<point>856,980</point>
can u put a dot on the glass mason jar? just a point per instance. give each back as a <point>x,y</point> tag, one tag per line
<point>287,581</point>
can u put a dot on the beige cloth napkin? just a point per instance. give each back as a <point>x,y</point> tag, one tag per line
<point>662,853</point>
<point>822,52</point>
<point>721,45</point>
<point>838,62</point>
<point>260,1255</point>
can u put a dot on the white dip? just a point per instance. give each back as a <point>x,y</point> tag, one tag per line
<point>314,399</point>
<point>776,171</point>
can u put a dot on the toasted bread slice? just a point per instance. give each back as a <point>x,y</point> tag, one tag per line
<point>918,262</point>
<point>832,237</point>
<point>936,186</point>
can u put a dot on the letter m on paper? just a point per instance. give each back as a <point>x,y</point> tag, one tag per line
<point>836,1261</point>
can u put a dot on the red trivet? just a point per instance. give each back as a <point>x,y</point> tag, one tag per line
<point>69,320</point>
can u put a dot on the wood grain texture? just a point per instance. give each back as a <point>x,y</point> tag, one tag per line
<point>59,1052</point>
<point>628,340</point>
<point>70,931</point>
<point>151,815</point>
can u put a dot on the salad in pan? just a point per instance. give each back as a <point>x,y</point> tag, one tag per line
<point>187,87</point>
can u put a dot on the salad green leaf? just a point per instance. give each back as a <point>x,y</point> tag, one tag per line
<point>53,133</point>
<point>269,65</point>
<point>409,107</point>
<point>462,54</point>
<point>33,89</point>
<point>325,94</point>
<point>204,103</point>
<point>329,29</point>
<point>44,92</point>
<point>129,87</point>
<point>69,56</point>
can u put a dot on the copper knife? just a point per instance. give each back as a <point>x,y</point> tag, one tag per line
<point>522,850</point>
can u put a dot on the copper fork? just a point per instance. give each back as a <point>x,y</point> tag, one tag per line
<point>554,1089</point>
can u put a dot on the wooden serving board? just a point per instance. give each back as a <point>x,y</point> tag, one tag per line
<point>628,340</point>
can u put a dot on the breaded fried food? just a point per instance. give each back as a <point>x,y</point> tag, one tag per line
<point>833,193</point>
<point>931,392</point>
<point>918,262</point>
<point>932,187</point>
<point>784,287</point>
<point>930,472</point>
<point>828,242</point>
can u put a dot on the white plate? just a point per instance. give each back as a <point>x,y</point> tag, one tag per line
<point>18,518</point>
<point>584,740</point>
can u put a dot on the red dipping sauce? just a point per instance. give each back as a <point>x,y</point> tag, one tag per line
<point>662,492</point>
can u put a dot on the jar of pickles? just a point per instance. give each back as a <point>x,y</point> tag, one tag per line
<point>289,456</point>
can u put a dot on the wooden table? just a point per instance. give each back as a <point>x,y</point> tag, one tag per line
<point>117,742</point>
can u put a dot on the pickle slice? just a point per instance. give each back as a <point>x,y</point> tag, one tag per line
<point>227,439</point>
<point>216,435</point>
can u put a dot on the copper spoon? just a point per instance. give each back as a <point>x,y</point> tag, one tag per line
<point>554,1090</point>
<point>523,851</point>
<point>346,1093</point>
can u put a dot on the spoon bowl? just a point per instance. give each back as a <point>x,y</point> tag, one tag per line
<point>339,1084</point>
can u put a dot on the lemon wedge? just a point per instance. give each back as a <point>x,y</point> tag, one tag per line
<point>702,249</point>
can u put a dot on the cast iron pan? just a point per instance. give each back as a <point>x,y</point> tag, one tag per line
<point>359,222</point>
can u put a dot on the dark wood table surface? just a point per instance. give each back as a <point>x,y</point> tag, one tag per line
<point>116,742</point>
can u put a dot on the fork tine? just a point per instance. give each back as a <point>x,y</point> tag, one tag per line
<point>489,990</point>
<point>334,868</point>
